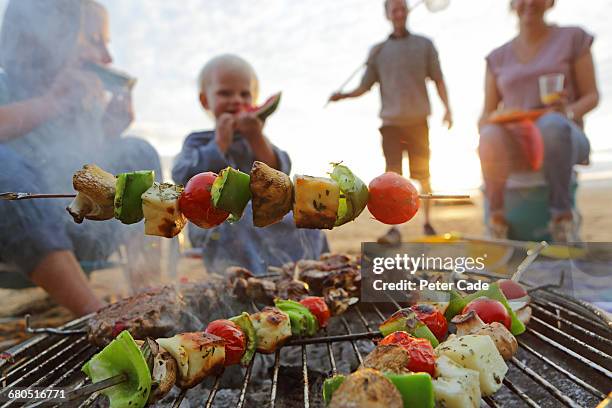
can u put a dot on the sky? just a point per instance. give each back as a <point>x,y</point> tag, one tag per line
<point>306,49</point>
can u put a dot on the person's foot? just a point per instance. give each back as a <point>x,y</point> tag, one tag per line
<point>565,228</point>
<point>497,227</point>
<point>391,237</point>
<point>428,229</point>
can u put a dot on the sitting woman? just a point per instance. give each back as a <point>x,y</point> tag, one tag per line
<point>512,81</point>
<point>54,118</point>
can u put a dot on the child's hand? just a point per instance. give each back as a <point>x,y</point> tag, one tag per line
<point>249,126</point>
<point>224,134</point>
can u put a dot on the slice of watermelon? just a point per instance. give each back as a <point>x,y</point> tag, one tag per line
<point>267,108</point>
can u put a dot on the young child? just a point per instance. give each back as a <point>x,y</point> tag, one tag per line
<point>227,84</point>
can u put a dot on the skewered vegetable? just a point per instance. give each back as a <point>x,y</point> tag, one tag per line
<point>432,318</point>
<point>391,358</point>
<point>197,355</point>
<point>470,323</point>
<point>366,388</point>
<point>489,311</point>
<point>354,194</point>
<point>95,194</point>
<point>455,386</point>
<point>416,389</point>
<point>317,307</point>
<point>128,195</point>
<point>196,202</point>
<point>235,339</point>
<point>478,353</point>
<point>231,192</point>
<point>163,369</point>
<point>273,329</point>
<point>420,352</point>
<point>316,202</point>
<point>393,199</point>
<point>244,322</point>
<point>407,320</point>
<point>303,322</point>
<point>272,193</point>
<point>122,356</point>
<point>160,207</point>
<point>457,303</point>
<point>330,385</point>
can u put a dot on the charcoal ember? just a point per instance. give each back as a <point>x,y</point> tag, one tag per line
<point>291,289</point>
<point>156,313</point>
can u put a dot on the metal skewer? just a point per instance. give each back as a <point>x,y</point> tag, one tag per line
<point>11,196</point>
<point>444,197</point>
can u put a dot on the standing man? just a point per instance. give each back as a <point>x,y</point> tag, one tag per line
<point>401,65</point>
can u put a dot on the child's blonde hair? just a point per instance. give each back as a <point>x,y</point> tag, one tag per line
<point>228,61</point>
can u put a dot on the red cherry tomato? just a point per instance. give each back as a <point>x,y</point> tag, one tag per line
<point>420,351</point>
<point>433,319</point>
<point>318,308</point>
<point>393,199</point>
<point>489,311</point>
<point>235,339</point>
<point>511,289</point>
<point>195,202</point>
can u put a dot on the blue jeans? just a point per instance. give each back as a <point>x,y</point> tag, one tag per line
<point>32,229</point>
<point>565,145</point>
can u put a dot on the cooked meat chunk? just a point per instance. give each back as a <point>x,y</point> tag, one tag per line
<point>366,388</point>
<point>388,358</point>
<point>291,289</point>
<point>470,323</point>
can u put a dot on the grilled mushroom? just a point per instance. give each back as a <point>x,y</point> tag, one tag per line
<point>272,194</point>
<point>163,369</point>
<point>389,358</point>
<point>470,323</point>
<point>95,194</point>
<point>366,388</point>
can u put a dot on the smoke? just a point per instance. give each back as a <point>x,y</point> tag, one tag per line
<point>44,50</point>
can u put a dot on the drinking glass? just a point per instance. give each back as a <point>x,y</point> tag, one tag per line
<point>551,88</point>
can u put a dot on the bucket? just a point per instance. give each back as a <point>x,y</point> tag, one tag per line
<point>527,206</point>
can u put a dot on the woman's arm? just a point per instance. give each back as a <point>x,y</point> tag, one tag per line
<point>588,95</point>
<point>491,98</point>
<point>20,118</point>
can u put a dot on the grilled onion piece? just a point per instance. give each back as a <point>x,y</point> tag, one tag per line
<point>197,355</point>
<point>273,329</point>
<point>95,194</point>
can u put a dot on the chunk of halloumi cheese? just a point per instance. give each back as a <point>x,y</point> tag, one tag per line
<point>160,207</point>
<point>316,201</point>
<point>477,353</point>
<point>197,355</point>
<point>456,386</point>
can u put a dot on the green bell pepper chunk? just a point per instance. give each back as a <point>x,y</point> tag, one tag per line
<point>305,322</point>
<point>416,389</point>
<point>456,303</point>
<point>407,320</point>
<point>354,196</point>
<point>128,191</point>
<point>330,385</point>
<point>231,192</point>
<point>246,325</point>
<point>493,292</point>
<point>122,355</point>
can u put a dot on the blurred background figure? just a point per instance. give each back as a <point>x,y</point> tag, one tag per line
<point>516,78</point>
<point>56,116</point>
<point>401,65</point>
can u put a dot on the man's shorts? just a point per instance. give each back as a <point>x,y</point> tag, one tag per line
<point>415,140</point>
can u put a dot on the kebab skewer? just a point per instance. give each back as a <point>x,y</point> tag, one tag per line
<point>143,372</point>
<point>209,199</point>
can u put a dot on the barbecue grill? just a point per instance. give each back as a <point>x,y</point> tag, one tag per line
<point>563,360</point>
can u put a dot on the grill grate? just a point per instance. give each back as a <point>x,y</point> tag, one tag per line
<point>563,358</point>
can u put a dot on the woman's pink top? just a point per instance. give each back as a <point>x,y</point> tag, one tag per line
<point>517,82</point>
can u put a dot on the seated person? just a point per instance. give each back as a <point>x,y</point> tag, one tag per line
<point>54,118</point>
<point>512,80</point>
<point>227,84</point>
